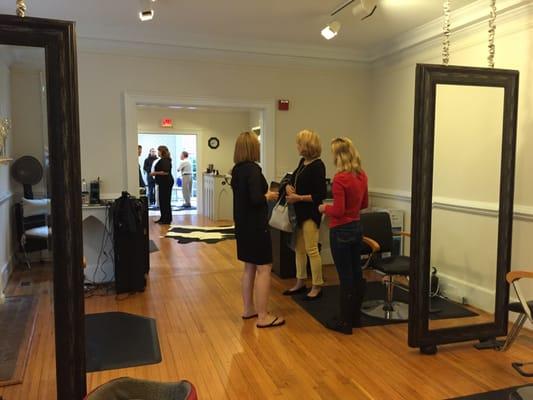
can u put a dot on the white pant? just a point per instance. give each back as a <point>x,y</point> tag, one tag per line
<point>186,181</point>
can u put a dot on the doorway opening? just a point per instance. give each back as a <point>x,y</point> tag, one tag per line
<point>184,199</point>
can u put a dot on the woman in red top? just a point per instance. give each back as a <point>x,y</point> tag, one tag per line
<point>350,195</point>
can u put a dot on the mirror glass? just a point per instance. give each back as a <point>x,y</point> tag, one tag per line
<point>26,306</point>
<point>465,204</point>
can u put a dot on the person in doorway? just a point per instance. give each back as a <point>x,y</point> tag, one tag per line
<point>142,184</point>
<point>306,191</point>
<point>350,195</point>
<point>147,168</point>
<point>185,169</point>
<point>254,246</point>
<point>164,180</point>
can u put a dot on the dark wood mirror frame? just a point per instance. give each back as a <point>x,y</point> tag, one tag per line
<point>58,40</point>
<point>427,78</point>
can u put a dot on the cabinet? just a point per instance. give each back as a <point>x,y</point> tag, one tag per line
<point>217,197</point>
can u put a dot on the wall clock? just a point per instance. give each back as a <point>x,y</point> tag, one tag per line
<point>213,143</point>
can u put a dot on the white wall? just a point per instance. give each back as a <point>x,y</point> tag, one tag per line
<point>226,126</point>
<point>27,124</point>
<point>6,237</point>
<point>388,152</point>
<point>332,101</point>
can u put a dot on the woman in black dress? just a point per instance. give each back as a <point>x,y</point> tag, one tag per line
<point>164,180</point>
<point>250,213</point>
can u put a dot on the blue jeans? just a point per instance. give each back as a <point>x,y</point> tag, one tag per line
<point>345,243</point>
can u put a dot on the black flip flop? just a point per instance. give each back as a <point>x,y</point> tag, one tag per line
<point>272,324</point>
<point>250,316</point>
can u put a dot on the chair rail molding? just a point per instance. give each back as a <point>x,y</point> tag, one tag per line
<point>521,212</point>
<point>5,197</point>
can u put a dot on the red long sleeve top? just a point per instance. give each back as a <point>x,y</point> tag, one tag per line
<point>350,195</point>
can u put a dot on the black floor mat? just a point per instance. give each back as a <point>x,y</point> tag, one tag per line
<point>153,246</point>
<point>17,315</point>
<point>120,340</point>
<point>503,394</point>
<point>327,306</point>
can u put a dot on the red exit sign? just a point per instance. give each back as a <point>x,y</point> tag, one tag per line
<point>166,123</point>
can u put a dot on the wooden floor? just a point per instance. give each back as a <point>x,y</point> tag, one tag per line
<point>194,294</point>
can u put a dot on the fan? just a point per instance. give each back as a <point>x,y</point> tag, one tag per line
<point>28,171</point>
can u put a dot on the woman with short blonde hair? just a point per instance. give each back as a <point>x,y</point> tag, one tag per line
<point>350,196</point>
<point>309,143</point>
<point>306,191</point>
<point>250,214</point>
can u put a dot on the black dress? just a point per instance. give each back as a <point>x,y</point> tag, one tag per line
<point>250,213</point>
<point>165,183</point>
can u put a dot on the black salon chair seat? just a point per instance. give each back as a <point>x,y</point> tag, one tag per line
<point>518,308</point>
<point>378,237</point>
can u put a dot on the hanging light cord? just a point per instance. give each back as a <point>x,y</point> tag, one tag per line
<point>492,33</point>
<point>446,32</point>
<point>21,8</point>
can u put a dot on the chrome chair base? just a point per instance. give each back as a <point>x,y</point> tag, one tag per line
<point>394,311</point>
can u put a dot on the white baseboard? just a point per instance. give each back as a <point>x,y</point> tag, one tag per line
<point>5,273</point>
<point>457,289</point>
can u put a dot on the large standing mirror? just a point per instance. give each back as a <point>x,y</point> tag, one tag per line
<point>462,210</point>
<point>40,176</point>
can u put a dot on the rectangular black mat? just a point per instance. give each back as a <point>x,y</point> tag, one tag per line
<point>153,247</point>
<point>327,306</point>
<point>17,315</point>
<point>120,340</point>
<point>502,394</point>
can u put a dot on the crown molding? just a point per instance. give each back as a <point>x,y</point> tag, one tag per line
<point>470,17</point>
<point>466,19</point>
<point>262,55</point>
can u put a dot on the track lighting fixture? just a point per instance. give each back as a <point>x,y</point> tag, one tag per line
<point>363,8</point>
<point>147,12</point>
<point>146,15</point>
<point>331,30</point>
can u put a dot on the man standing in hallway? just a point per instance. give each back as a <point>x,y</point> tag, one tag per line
<point>147,168</point>
<point>185,169</point>
<point>142,184</point>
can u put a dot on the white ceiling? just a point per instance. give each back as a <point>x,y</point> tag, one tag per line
<point>217,24</point>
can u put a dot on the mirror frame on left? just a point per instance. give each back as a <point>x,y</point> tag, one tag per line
<point>58,40</point>
<point>428,76</point>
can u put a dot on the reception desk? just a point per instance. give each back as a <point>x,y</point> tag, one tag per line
<point>217,197</point>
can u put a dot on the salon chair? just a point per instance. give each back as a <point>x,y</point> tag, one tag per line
<point>524,309</point>
<point>129,388</point>
<point>33,232</point>
<point>378,237</point>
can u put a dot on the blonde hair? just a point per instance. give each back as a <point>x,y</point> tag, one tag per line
<point>345,155</point>
<point>164,151</point>
<point>309,142</point>
<point>246,148</point>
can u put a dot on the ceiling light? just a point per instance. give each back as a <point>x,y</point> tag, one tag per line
<point>192,108</point>
<point>146,15</point>
<point>331,30</point>
<point>365,9</point>
<point>175,107</point>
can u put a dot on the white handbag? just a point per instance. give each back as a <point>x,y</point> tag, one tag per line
<point>280,218</point>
